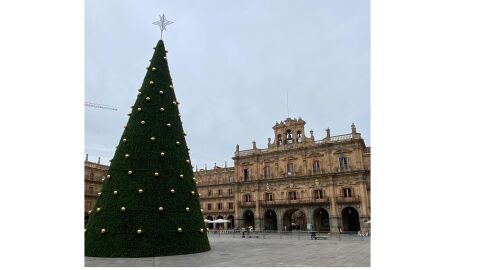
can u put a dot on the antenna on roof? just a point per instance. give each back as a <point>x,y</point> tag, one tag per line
<point>288,111</point>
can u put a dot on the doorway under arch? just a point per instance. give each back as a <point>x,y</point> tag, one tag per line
<point>231,224</point>
<point>270,220</point>
<point>210,225</point>
<point>294,219</point>
<point>321,220</point>
<point>249,219</point>
<point>350,220</point>
<point>219,226</point>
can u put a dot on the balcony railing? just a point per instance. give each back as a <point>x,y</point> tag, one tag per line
<point>247,204</point>
<point>324,200</point>
<point>353,199</point>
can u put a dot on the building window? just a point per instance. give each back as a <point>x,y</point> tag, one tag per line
<point>230,191</point>
<point>290,169</point>
<point>89,204</point>
<point>246,174</point>
<point>220,192</point>
<point>230,179</point>
<point>209,206</point>
<point>318,194</point>
<point>347,192</point>
<point>269,197</point>
<point>91,176</point>
<point>220,206</point>
<point>266,171</point>
<point>343,163</point>
<point>299,136</point>
<point>316,166</point>
<point>90,189</point>
<point>209,193</point>
<point>248,198</point>
<point>292,195</point>
<point>279,140</point>
<point>230,205</point>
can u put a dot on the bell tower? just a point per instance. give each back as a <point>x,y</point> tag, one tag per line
<point>290,131</point>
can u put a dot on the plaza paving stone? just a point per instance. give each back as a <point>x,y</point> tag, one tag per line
<point>228,251</point>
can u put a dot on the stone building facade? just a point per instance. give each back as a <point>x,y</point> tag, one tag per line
<point>296,183</point>
<point>94,175</point>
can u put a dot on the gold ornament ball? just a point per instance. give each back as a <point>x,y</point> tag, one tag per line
<point>142,122</point>
<point>152,138</point>
<point>161,92</point>
<point>193,178</point>
<point>156,173</point>
<point>196,182</point>
<point>115,192</point>
<point>123,209</point>
<point>188,161</point>
<point>169,125</point>
<point>130,172</point>
<point>151,82</point>
<point>153,68</point>
<point>181,175</point>
<point>160,208</point>
<point>98,209</point>
<point>172,190</point>
<point>201,230</point>
<point>187,209</point>
<point>147,98</point>
<point>103,177</point>
<point>193,192</point>
<point>171,86</point>
<point>162,109</point>
<point>140,191</point>
<point>174,102</point>
<point>177,142</point>
<point>89,212</point>
<point>103,231</point>
<point>139,93</point>
<point>139,231</point>
<point>179,229</point>
<point>99,193</point>
<point>124,140</point>
<point>139,109</point>
<point>162,154</point>
<point>201,210</point>
<point>127,155</point>
<point>165,57</point>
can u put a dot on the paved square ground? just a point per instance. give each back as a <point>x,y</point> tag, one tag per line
<point>228,251</point>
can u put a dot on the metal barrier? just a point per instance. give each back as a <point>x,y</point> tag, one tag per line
<point>289,235</point>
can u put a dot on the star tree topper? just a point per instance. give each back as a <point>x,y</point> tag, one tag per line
<point>162,23</point>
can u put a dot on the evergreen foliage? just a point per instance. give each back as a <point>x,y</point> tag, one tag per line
<point>154,127</point>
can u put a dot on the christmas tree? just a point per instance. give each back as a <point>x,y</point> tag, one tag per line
<point>149,205</point>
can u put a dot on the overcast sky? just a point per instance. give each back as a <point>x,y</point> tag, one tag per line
<point>232,64</point>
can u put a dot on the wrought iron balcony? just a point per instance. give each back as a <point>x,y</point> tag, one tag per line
<point>324,200</point>
<point>353,199</point>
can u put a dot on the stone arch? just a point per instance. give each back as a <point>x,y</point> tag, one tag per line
<point>248,219</point>
<point>295,219</point>
<point>350,220</point>
<point>321,220</point>
<point>270,220</point>
<point>219,226</point>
